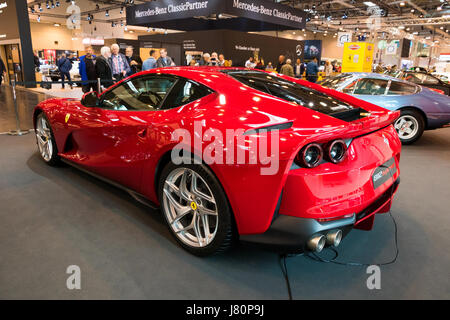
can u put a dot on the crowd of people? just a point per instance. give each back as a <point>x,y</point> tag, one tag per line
<point>112,65</point>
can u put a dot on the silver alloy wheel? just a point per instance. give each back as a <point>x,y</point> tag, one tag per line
<point>190,207</point>
<point>44,138</point>
<point>407,127</point>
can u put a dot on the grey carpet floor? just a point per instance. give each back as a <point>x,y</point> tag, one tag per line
<point>51,218</point>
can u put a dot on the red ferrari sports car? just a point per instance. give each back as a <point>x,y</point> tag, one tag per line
<point>332,162</point>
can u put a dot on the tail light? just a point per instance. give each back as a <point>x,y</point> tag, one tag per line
<point>336,151</point>
<point>310,156</point>
<point>437,90</point>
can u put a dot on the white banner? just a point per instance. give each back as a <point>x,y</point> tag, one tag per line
<point>391,48</point>
<point>343,37</point>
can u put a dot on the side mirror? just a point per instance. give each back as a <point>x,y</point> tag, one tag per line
<point>90,100</point>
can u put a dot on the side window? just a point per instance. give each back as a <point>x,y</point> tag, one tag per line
<point>139,94</point>
<point>185,92</point>
<point>349,88</point>
<point>371,87</point>
<point>430,80</point>
<point>400,88</point>
<point>412,78</point>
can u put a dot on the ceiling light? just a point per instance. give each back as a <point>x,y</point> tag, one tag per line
<point>56,25</point>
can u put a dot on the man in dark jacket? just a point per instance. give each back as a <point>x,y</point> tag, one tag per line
<point>134,61</point>
<point>2,71</point>
<point>102,67</point>
<point>64,67</point>
<point>281,63</point>
<point>164,60</point>
<point>87,70</point>
<point>37,62</point>
<point>312,69</point>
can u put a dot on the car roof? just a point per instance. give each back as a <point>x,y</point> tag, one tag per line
<point>205,75</point>
<point>372,75</point>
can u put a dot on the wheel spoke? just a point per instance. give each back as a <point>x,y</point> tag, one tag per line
<point>173,187</point>
<point>400,123</point>
<point>207,211</point>
<point>40,140</point>
<point>196,192</point>
<point>183,213</point>
<point>190,226</point>
<point>205,224</point>
<point>177,206</point>
<point>184,193</point>
<point>196,226</point>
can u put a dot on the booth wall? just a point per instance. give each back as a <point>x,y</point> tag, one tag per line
<point>235,45</point>
<point>45,35</point>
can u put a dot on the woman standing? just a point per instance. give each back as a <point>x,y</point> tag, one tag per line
<point>328,69</point>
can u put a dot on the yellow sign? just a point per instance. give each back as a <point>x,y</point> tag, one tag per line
<point>67,117</point>
<point>358,57</point>
<point>193,205</point>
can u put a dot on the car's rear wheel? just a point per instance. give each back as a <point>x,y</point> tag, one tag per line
<point>410,126</point>
<point>196,209</point>
<point>45,140</point>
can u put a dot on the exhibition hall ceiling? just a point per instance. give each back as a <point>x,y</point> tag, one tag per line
<point>425,20</point>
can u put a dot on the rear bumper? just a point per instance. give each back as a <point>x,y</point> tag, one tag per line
<point>291,234</point>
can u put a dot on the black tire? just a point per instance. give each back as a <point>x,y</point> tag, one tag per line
<point>54,160</point>
<point>226,233</point>
<point>420,125</point>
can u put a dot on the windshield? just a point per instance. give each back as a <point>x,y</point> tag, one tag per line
<point>295,93</point>
<point>335,82</point>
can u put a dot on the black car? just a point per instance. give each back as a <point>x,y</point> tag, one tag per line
<point>426,80</point>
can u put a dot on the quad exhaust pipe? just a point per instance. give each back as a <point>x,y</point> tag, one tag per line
<point>317,242</point>
<point>334,238</point>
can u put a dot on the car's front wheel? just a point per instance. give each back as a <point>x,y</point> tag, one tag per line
<point>410,126</point>
<point>196,209</point>
<point>45,140</point>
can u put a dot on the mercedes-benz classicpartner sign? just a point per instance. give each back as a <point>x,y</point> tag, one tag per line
<point>149,13</point>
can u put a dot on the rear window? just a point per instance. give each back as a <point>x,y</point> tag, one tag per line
<point>295,93</point>
<point>400,88</point>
